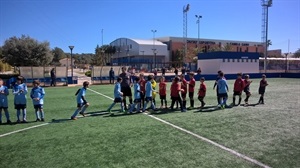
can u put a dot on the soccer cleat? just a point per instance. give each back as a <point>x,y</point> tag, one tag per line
<point>18,121</point>
<point>184,110</point>
<point>223,107</point>
<point>37,120</point>
<point>81,113</point>
<point>24,121</point>
<point>190,108</point>
<point>42,119</point>
<point>73,118</point>
<point>8,122</point>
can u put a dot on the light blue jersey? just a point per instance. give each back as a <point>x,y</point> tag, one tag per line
<point>149,89</point>
<point>81,94</point>
<point>117,90</point>
<point>136,89</point>
<point>20,91</point>
<point>3,96</point>
<point>37,92</point>
<point>222,86</point>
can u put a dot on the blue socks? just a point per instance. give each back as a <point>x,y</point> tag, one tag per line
<point>6,114</point>
<point>18,115</point>
<point>83,109</point>
<point>112,105</point>
<point>75,113</point>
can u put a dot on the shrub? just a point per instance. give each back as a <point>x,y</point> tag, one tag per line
<point>88,73</point>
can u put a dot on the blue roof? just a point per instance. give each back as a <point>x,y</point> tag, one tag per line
<point>228,55</point>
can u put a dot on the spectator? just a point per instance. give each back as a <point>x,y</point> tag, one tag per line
<point>53,77</point>
<point>183,70</point>
<point>176,71</point>
<point>199,71</point>
<point>163,71</point>
<point>111,76</point>
<point>155,73</point>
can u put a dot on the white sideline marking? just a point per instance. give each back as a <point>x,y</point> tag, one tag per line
<point>201,138</point>
<point>24,129</point>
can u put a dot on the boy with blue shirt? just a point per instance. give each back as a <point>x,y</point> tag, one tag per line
<point>222,90</point>
<point>37,95</point>
<point>118,96</point>
<point>3,102</point>
<point>148,95</point>
<point>137,96</point>
<point>82,104</point>
<point>19,92</point>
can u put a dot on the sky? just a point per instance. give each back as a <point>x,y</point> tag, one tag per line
<point>80,22</point>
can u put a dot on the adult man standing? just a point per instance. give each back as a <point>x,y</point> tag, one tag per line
<point>125,86</point>
<point>111,75</point>
<point>163,71</point>
<point>53,77</point>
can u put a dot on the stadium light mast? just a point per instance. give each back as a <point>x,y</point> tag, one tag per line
<point>198,22</point>
<point>265,8</point>
<point>154,49</point>
<point>71,48</point>
<point>185,11</point>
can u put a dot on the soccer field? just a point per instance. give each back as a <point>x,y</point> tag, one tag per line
<point>266,133</point>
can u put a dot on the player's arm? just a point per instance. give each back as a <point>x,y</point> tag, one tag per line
<point>14,90</point>
<point>25,91</point>
<point>216,83</point>
<point>83,98</point>
<point>31,94</point>
<point>77,92</point>
<point>42,93</point>
<point>6,92</point>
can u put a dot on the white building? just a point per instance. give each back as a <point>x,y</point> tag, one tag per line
<point>139,51</point>
<point>228,62</point>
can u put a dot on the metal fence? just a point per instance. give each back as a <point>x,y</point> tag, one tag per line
<point>282,66</point>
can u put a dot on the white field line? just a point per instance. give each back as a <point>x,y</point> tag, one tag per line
<point>24,129</point>
<point>201,138</point>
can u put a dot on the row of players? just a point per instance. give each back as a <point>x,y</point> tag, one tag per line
<point>144,92</point>
<point>19,91</point>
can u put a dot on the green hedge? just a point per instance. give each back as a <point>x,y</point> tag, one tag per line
<point>88,73</point>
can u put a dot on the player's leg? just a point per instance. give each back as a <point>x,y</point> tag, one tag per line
<point>17,107</point>
<point>191,96</point>
<point>172,103</point>
<point>79,107</point>
<point>85,106</point>
<point>0,115</point>
<point>233,99</point>
<point>240,98</point>
<point>166,103</point>
<point>145,106</point>
<point>183,100</point>
<point>161,101</point>
<point>24,113</point>
<point>7,115</point>
<point>181,105</point>
<point>41,109</point>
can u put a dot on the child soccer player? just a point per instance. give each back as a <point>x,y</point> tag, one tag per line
<point>137,96</point>
<point>82,104</point>
<point>142,83</point>
<point>20,91</point>
<point>238,88</point>
<point>3,102</point>
<point>149,91</point>
<point>184,90</point>
<point>163,92</point>
<point>153,84</point>
<point>247,83</point>
<point>216,83</point>
<point>175,89</point>
<point>262,88</point>
<point>192,84</point>
<point>37,95</point>
<point>222,90</point>
<point>202,92</point>
<point>118,96</point>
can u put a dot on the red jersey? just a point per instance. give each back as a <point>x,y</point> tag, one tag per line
<point>238,85</point>
<point>192,84</point>
<point>162,88</point>
<point>202,90</point>
<point>142,83</point>
<point>184,86</point>
<point>175,88</point>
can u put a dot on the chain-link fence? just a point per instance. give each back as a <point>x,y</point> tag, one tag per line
<point>280,65</point>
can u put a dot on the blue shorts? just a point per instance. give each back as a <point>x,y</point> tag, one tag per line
<point>20,106</point>
<point>147,99</point>
<point>38,106</point>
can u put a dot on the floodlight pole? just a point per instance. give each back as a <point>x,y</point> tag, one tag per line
<point>198,22</point>
<point>154,50</point>
<point>71,48</point>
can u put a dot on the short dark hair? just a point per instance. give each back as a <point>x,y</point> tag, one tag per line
<point>247,76</point>
<point>85,83</point>
<point>36,82</point>
<point>219,71</point>
<point>221,74</point>
<point>21,78</point>
<point>176,79</point>
<point>119,79</point>
<point>191,73</point>
<point>263,75</point>
<point>240,74</point>
<point>202,78</point>
<point>150,77</point>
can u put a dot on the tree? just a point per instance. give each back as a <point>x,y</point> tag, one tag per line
<point>297,54</point>
<point>58,54</point>
<point>26,51</point>
<point>227,47</point>
<point>103,55</point>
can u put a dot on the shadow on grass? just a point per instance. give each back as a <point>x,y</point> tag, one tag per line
<point>87,114</point>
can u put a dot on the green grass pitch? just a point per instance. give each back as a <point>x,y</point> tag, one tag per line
<point>269,133</point>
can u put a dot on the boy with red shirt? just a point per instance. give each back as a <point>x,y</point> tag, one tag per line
<point>175,89</point>
<point>184,92</point>
<point>142,84</point>
<point>192,84</point>
<point>247,83</point>
<point>238,88</point>
<point>202,92</point>
<point>262,88</point>
<point>163,92</point>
